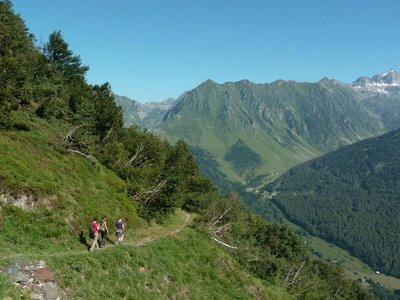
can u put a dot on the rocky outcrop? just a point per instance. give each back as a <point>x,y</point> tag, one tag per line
<point>25,201</point>
<point>33,277</point>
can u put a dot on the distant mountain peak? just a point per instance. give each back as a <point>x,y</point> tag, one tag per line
<point>378,83</point>
<point>208,82</point>
<point>389,77</point>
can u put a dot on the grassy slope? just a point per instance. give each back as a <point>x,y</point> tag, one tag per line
<point>186,266</point>
<point>276,158</point>
<point>70,190</point>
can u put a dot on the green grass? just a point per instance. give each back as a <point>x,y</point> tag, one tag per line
<point>68,191</point>
<point>8,290</point>
<point>185,266</point>
<point>156,262</point>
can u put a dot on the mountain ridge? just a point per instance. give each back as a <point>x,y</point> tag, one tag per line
<point>306,119</point>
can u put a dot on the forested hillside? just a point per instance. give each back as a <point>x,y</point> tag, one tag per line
<point>350,197</point>
<point>66,157</point>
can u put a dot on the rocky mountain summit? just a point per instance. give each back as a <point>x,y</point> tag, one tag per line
<point>146,115</point>
<point>384,83</point>
<point>380,95</point>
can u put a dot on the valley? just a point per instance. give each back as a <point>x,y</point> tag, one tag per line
<point>251,134</point>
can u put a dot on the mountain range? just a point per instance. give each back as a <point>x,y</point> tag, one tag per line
<point>246,135</point>
<point>280,124</point>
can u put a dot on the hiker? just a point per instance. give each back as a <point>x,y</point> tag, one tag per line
<point>95,230</point>
<point>120,230</point>
<point>104,231</point>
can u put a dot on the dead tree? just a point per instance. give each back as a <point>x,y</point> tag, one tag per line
<point>217,226</point>
<point>90,157</point>
<point>68,137</point>
<point>292,274</point>
<point>145,197</point>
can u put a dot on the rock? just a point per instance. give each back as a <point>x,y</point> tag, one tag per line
<point>40,264</point>
<point>35,296</point>
<point>21,277</point>
<point>36,289</point>
<point>22,262</point>
<point>33,277</point>
<point>50,291</point>
<point>13,269</point>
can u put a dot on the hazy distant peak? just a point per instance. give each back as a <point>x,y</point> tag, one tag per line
<point>326,80</point>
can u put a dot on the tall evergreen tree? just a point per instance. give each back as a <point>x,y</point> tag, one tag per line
<point>109,119</point>
<point>16,48</point>
<point>59,54</point>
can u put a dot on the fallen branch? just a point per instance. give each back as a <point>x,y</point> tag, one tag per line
<point>220,217</point>
<point>297,273</point>
<point>217,230</point>
<point>91,158</point>
<point>224,244</point>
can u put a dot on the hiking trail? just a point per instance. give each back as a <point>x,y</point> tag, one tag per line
<point>138,243</point>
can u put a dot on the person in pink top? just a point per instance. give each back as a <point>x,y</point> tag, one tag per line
<point>95,230</point>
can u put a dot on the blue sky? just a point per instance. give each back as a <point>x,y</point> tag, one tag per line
<point>150,50</point>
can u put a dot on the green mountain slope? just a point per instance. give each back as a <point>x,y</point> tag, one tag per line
<point>47,198</point>
<point>350,197</point>
<point>284,123</point>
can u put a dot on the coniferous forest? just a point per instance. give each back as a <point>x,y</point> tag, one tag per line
<point>350,197</point>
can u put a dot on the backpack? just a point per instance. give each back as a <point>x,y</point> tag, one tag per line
<point>91,231</point>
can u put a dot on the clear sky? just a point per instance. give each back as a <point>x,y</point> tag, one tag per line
<point>150,50</point>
